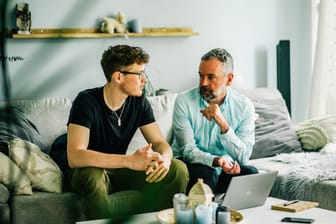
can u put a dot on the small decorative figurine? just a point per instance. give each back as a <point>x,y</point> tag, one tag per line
<point>23,18</point>
<point>112,25</point>
<point>199,194</point>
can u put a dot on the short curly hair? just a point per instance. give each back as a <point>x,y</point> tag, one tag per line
<point>118,57</point>
<point>223,56</point>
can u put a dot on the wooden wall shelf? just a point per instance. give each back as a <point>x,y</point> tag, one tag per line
<point>95,33</point>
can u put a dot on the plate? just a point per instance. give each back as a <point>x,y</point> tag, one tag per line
<point>166,216</point>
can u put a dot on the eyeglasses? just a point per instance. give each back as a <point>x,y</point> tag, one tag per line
<point>139,74</point>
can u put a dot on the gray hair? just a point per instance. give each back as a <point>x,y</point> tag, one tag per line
<point>223,56</point>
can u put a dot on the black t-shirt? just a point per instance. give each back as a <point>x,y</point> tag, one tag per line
<point>89,110</point>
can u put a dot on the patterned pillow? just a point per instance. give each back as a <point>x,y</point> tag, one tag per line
<point>42,171</point>
<point>315,133</point>
<point>13,177</point>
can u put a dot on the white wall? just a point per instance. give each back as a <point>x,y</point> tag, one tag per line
<point>249,29</point>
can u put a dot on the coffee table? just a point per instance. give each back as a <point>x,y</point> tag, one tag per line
<point>258,215</point>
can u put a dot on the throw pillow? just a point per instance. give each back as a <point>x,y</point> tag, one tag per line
<point>49,115</point>
<point>13,177</point>
<point>312,137</point>
<point>42,171</point>
<point>274,132</point>
<point>315,133</point>
<point>163,106</point>
<point>15,124</point>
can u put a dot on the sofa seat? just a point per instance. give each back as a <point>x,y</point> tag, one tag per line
<point>65,206</point>
<point>297,186</point>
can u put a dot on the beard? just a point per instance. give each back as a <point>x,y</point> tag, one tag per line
<point>206,93</point>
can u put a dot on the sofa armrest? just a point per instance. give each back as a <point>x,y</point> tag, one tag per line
<point>4,193</point>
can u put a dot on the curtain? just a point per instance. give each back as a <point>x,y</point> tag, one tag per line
<point>323,93</point>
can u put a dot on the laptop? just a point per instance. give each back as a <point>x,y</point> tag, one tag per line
<point>249,190</point>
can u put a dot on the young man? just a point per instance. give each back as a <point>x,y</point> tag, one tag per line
<point>101,125</point>
<point>214,125</point>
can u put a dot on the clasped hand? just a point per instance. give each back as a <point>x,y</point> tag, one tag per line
<point>153,163</point>
<point>228,166</point>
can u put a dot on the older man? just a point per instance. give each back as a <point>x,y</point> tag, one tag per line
<point>214,125</point>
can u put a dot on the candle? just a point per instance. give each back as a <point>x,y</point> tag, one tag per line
<point>184,216</point>
<point>222,215</point>
<point>180,202</point>
<point>203,214</point>
<point>214,208</point>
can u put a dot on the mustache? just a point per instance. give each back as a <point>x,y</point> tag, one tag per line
<point>204,88</point>
<point>206,93</point>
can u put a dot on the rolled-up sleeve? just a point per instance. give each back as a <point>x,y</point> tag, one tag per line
<point>238,142</point>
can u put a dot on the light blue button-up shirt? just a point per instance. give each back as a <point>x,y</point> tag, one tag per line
<point>198,140</point>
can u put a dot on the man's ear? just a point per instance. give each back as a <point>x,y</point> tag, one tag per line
<point>230,77</point>
<point>117,77</point>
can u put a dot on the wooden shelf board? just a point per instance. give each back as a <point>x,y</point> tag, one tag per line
<point>95,33</point>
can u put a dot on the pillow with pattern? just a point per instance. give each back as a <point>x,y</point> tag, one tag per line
<point>42,171</point>
<point>13,177</point>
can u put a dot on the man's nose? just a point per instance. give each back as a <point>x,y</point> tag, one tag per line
<point>144,78</point>
<point>204,82</point>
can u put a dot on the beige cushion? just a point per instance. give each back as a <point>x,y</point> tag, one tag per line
<point>312,137</point>
<point>13,177</point>
<point>317,132</point>
<point>163,106</point>
<point>42,171</point>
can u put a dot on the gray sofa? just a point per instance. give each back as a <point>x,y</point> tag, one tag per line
<point>274,135</point>
<point>50,117</point>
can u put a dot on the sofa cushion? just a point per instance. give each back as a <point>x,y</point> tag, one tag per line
<point>13,177</point>
<point>315,133</point>
<point>42,171</point>
<point>311,171</point>
<point>66,207</point>
<point>15,124</point>
<point>50,116</point>
<point>4,213</point>
<point>44,207</point>
<point>163,106</point>
<point>274,132</point>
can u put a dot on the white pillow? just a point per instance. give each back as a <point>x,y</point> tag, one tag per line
<point>13,177</point>
<point>39,167</point>
<point>163,106</point>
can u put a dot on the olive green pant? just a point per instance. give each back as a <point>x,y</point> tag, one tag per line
<point>95,184</point>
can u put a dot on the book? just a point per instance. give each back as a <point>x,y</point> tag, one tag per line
<point>295,206</point>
